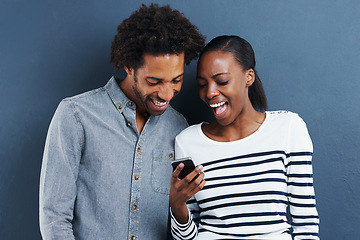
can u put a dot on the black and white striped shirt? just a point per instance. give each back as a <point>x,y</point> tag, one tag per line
<point>251,183</point>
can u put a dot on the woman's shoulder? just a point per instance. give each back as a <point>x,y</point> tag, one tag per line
<point>285,118</point>
<point>282,115</point>
<point>190,131</point>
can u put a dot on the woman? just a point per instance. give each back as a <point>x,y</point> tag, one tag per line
<point>257,164</point>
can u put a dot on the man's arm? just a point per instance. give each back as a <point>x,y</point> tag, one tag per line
<point>59,172</point>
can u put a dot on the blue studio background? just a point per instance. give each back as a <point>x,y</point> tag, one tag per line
<point>308,55</point>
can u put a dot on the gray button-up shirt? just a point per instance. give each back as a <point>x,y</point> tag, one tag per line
<point>100,178</point>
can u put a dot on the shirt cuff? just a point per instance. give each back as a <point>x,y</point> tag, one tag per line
<point>182,225</point>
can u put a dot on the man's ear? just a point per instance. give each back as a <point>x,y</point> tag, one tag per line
<point>250,77</point>
<point>129,70</point>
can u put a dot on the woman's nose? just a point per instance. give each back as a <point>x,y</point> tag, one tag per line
<point>211,91</point>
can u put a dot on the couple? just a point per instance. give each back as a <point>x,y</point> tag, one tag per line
<point>106,170</point>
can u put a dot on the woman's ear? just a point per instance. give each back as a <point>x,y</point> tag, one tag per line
<point>250,77</point>
<point>129,70</point>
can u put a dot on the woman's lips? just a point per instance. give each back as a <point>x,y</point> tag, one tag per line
<point>219,108</point>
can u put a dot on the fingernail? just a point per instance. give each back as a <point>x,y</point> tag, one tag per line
<point>200,167</point>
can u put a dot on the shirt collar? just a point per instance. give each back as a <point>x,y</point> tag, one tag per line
<point>117,96</point>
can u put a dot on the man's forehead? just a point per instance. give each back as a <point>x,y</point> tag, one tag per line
<point>167,56</point>
<point>163,66</point>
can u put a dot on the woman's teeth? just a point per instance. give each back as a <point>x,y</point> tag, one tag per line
<point>215,105</point>
<point>157,103</point>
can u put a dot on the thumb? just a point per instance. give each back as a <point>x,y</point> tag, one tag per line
<point>177,171</point>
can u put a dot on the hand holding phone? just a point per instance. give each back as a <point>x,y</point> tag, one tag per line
<point>182,189</point>
<point>189,166</point>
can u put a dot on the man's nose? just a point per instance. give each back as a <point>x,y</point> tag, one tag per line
<point>166,92</point>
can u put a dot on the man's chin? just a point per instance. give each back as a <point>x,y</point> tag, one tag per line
<point>156,113</point>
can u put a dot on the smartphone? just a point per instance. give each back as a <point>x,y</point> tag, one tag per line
<point>189,166</point>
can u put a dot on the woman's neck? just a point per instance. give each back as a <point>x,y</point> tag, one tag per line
<point>244,125</point>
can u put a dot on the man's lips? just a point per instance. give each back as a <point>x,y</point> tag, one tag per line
<point>159,103</point>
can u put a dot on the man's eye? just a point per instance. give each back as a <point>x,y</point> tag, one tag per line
<point>177,80</point>
<point>152,83</point>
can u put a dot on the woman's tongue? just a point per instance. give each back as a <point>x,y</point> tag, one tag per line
<point>221,109</point>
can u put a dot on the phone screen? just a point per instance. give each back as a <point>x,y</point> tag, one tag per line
<point>189,166</point>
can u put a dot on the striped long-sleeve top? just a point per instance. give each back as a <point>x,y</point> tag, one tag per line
<point>258,187</point>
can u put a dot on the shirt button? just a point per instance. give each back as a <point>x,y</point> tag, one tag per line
<point>138,149</point>
<point>131,103</point>
<point>171,155</point>
<point>132,237</point>
<point>136,177</point>
<point>134,206</point>
<point>129,124</point>
<point>120,106</point>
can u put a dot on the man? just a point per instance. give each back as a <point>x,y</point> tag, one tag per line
<point>107,160</point>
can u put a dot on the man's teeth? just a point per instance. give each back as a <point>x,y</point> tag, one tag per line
<point>160,104</point>
<point>215,105</point>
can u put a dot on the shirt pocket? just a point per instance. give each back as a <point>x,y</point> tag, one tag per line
<point>161,171</point>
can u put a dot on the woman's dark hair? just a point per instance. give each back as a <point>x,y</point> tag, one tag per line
<point>245,55</point>
<point>154,30</point>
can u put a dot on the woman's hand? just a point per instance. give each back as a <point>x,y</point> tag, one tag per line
<point>182,190</point>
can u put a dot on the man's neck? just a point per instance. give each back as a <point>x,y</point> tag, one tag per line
<point>141,114</point>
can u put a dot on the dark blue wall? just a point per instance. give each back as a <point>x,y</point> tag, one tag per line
<point>308,56</point>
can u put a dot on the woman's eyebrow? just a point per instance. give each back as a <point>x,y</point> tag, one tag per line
<point>218,74</point>
<point>214,76</point>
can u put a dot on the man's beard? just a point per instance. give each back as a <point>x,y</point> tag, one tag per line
<point>140,98</point>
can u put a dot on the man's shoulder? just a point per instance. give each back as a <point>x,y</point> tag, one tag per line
<point>172,115</point>
<point>86,96</point>
<point>92,99</point>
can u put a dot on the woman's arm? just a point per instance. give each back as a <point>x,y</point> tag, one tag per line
<point>182,224</point>
<point>301,195</point>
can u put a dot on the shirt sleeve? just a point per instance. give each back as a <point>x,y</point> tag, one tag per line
<point>301,195</point>
<point>59,172</point>
<point>188,230</point>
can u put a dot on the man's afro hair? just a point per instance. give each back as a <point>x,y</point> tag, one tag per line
<point>155,30</point>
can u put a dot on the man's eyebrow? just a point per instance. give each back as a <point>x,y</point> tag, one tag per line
<point>178,76</point>
<point>154,78</point>
<point>160,79</point>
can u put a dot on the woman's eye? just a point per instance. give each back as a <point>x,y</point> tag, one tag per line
<point>222,83</point>
<point>201,85</point>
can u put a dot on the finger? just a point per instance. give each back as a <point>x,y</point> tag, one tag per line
<point>193,174</point>
<point>197,180</point>
<point>198,187</point>
<point>175,174</point>
<point>200,177</point>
